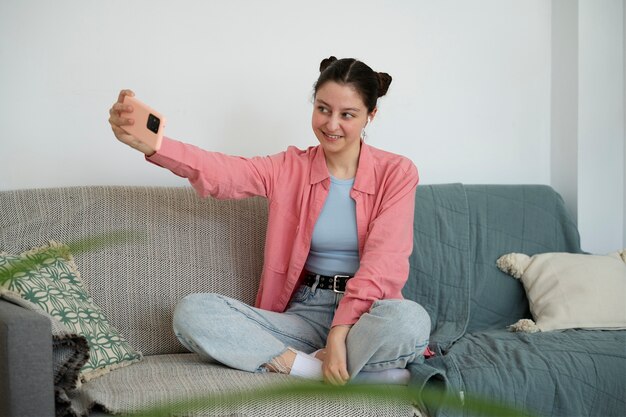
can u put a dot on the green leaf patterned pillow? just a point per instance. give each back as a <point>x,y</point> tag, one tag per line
<point>49,278</point>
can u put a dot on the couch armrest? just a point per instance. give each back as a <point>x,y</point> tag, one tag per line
<point>26,370</point>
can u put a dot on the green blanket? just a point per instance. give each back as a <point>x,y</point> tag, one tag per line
<point>569,373</point>
<point>459,233</point>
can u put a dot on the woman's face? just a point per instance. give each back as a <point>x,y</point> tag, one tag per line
<point>339,116</point>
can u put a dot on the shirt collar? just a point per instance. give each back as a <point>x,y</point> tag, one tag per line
<point>364,180</point>
<point>319,170</point>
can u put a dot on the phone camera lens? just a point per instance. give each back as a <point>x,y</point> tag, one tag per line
<point>153,123</point>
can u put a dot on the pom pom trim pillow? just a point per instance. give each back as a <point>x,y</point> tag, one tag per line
<point>567,290</point>
<point>51,281</point>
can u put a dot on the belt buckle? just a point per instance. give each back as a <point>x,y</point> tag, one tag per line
<point>335,283</point>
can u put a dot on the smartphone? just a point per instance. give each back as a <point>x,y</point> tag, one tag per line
<point>149,124</point>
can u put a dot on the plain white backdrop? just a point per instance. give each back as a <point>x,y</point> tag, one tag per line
<point>472,99</point>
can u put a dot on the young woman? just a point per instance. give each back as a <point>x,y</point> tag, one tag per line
<point>339,236</point>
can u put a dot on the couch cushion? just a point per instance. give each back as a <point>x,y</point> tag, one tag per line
<point>172,379</point>
<point>568,290</point>
<point>48,278</point>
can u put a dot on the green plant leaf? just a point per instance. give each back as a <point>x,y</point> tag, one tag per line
<point>23,266</point>
<point>429,396</point>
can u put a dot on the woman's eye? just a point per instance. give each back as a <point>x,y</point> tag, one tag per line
<point>322,109</point>
<point>348,116</point>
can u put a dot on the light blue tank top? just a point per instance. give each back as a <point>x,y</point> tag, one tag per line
<point>334,244</point>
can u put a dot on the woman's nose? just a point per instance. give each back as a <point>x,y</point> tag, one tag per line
<point>333,123</point>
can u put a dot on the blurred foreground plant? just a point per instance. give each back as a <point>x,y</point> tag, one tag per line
<point>83,245</point>
<point>431,397</point>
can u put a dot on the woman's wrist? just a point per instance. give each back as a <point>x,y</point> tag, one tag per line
<point>339,333</point>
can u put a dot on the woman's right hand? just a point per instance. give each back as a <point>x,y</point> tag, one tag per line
<point>117,121</point>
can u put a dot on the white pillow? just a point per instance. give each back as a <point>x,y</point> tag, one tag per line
<point>568,290</point>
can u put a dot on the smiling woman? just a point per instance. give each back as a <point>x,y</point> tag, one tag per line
<point>329,305</point>
<point>346,95</point>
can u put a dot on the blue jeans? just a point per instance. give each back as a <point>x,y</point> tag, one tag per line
<point>220,329</point>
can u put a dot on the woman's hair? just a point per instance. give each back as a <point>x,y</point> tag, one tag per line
<point>368,83</point>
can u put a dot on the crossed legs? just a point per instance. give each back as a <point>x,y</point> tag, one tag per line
<point>392,334</point>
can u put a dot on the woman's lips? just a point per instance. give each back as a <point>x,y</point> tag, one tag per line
<point>332,137</point>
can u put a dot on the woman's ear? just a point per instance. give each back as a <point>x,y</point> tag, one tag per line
<point>372,114</point>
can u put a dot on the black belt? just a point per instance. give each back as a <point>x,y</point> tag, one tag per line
<point>337,283</point>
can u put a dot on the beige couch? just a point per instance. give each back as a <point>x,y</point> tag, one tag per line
<point>192,245</point>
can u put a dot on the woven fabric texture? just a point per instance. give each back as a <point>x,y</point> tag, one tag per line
<point>172,379</point>
<point>190,245</point>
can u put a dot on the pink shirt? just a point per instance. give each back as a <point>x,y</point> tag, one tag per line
<point>296,183</point>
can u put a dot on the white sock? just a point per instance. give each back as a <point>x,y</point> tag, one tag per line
<point>395,376</point>
<point>306,366</point>
<point>314,353</point>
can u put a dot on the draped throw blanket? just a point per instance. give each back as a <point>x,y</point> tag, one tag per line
<point>459,233</point>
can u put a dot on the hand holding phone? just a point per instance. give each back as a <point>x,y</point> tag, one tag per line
<point>148,124</point>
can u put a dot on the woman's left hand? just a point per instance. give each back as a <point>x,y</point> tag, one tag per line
<point>335,364</point>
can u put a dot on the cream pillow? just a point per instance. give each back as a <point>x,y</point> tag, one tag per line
<point>567,290</point>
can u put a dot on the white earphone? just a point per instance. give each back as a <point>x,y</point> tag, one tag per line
<point>363,132</point>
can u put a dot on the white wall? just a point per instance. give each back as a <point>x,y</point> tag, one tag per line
<point>564,102</point>
<point>469,102</point>
<point>587,161</point>
<point>471,99</point>
<point>601,126</point>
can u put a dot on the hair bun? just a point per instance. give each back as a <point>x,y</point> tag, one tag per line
<point>326,63</point>
<point>384,80</point>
